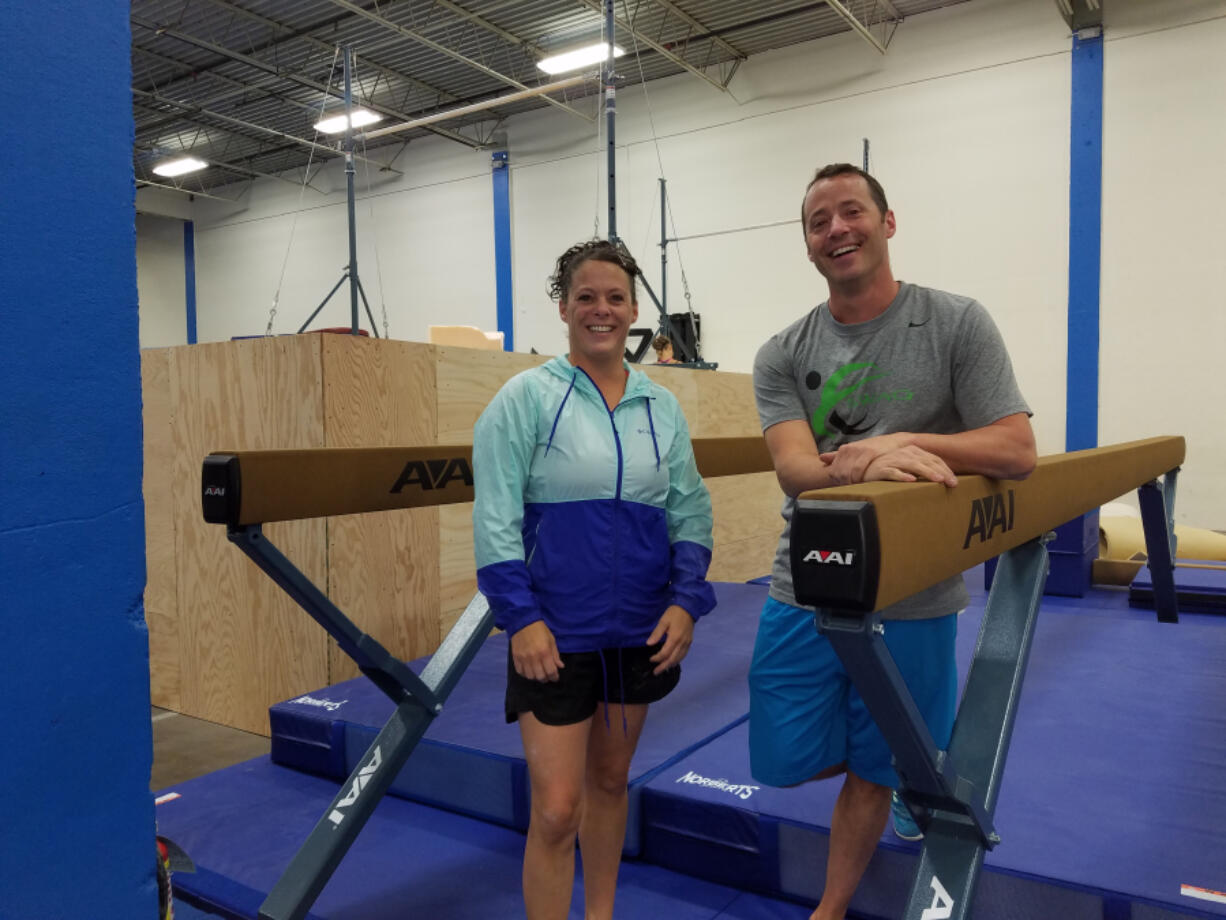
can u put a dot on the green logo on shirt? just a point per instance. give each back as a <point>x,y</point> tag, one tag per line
<point>826,421</point>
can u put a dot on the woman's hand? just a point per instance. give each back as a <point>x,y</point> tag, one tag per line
<point>535,653</point>
<point>676,628</point>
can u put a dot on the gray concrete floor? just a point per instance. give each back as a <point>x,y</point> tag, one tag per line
<point>184,747</point>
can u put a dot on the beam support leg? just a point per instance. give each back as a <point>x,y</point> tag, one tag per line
<point>952,793</point>
<point>418,701</point>
<point>1157,503</point>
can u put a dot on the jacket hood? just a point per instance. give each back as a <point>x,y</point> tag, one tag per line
<point>637,383</point>
<point>637,386</point>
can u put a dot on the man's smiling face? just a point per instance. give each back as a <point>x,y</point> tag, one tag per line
<point>845,233</point>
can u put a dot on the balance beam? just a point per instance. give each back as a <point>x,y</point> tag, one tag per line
<point>857,549</point>
<point>261,486</point>
<point>244,490</point>
<point>900,539</point>
<point>863,547</point>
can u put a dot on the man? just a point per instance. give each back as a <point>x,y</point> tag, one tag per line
<point>885,380</point>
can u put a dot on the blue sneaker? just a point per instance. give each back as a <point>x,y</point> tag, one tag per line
<point>904,825</point>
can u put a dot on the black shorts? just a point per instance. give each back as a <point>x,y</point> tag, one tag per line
<point>584,683</point>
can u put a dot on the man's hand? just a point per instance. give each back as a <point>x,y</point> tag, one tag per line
<point>850,462</point>
<point>535,653</point>
<point>891,457</point>
<point>676,627</point>
<point>910,464</point>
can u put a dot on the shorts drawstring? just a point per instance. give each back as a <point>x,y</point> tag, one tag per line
<point>621,688</point>
<point>604,675</point>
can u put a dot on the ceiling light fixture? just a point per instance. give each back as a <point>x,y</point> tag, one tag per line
<point>579,57</point>
<point>179,167</point>
<point>335,124</point>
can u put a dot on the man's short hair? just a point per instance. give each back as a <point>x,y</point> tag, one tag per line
<point>847,169</point>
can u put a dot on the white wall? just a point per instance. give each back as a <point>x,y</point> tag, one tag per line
<point>425,249</point>
<point>160,281</point>
<point>968,119</point>
<point>1164,237</point>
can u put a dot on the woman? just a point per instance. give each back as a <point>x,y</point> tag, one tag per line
<point>663,346</point>
<point>593,535</point>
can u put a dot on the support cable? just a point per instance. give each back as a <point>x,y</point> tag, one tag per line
<point>306,178</point>
<point>600,111</point>
<point>374,235</point>
<point>655,139</point>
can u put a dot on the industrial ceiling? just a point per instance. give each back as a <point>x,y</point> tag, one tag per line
<point>240,83</point>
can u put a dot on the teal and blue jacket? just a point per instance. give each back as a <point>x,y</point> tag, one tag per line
<point>592,520</point>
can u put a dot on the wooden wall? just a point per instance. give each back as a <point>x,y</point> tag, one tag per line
<point>225,642</point>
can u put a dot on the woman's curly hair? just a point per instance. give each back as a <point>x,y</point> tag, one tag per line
<point>599,250</point>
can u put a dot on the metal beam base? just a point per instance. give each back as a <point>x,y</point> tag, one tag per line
<point>952,793</point>
<point>1157,503</point>
<point>418,700</point>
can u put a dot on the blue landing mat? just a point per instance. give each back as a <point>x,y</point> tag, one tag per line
<point>471,761</point>
<point>1114,796</point>
<point>243,824</point>
<point>1197,589</point>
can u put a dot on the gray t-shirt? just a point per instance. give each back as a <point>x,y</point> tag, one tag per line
<point>932,362</point>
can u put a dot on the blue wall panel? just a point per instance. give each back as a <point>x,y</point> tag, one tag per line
<point>189,279</point>
<point>1085,242</point>
<point>78,831</point>
<point>500,172</point>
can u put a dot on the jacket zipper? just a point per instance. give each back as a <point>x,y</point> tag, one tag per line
<point>617,495</point>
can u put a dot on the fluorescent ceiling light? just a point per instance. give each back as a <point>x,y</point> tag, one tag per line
<point>335,124</point>
<point>580,57</point>
<point>179,167</point>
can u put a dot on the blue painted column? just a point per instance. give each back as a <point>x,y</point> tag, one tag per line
<point>189,276</point>
<point>78,836</point>
<point>1085,240</point>
<point>500,172</point>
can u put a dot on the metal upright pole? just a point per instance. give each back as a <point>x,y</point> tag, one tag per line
<point>663,247</point>
<point>610,107</point>
<point>349,175</point>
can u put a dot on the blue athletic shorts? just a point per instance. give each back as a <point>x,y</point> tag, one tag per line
<point>804,714</point>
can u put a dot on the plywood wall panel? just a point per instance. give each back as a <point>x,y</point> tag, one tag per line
<point>378,393</point>
<point>745,506</point>
<point>743,560</point>
<point>382,568</point>
<point>467,380</point>
<point>383,574</point>
<point>165,670</point>
<point>242,642</point>
<point>686,385</point>
<point>726,406</point>
<point>157,487</point>
<point>157,483</point>
<point>284,652</point>
<point>747,525</point>
<point>229,642</point>
<point>457,568</point>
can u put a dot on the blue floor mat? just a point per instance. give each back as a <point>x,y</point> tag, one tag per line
<point>471,761</point>
<point>1113,798</point>
<point>242,825</point>
<point>1113,803</point>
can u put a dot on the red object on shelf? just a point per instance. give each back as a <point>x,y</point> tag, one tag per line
<point>340,330</point>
